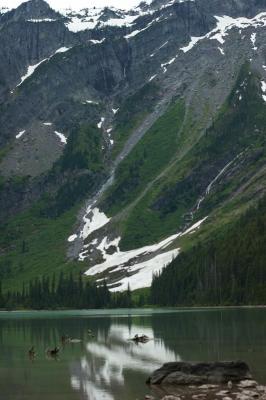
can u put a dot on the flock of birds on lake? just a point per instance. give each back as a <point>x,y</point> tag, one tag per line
<point>54,352</point>
<point>65,339</point>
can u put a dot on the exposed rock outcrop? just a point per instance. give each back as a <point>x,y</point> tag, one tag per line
<point>184,373</point>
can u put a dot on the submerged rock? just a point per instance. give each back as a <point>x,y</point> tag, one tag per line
<point>184,373</point>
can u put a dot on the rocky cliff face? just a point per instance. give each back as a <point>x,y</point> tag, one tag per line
<point>131,113</point>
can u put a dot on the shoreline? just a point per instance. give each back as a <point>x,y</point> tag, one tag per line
<point>150,309</point>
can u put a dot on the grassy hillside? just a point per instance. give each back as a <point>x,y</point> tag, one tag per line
<point>132,112</point>
<point>146,160</point>
<point>33,246</point>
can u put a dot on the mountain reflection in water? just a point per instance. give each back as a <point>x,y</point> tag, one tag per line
<point>109,359</point>
<point>108,366</point>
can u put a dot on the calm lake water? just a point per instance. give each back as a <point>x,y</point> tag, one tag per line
<point>108,366</point>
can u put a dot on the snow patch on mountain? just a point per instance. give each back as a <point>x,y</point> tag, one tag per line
<point>120,258</point>
<point>159,48</point>
<point>94,41</point>
<point>100,124</point>
<point>93,220</point>
<point>20,134</point>
<point>62,137</point>
<point>194,227</point>
<point>139,272</point>
<point>32,68</point>
<point>224,25</point>
<point>263,88</point>
<point>92,19</point>
<point>152,77</point>
<point>137,31</point>
<point>90,102</point>
<point>164,65</point>
<point>72,238</point>
<point>194,40</point>
<point>143,272</point>
<point>253,41</point>
<point>41,20</point>
<point>61,50</point>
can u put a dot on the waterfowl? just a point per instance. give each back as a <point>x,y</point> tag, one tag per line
<point>65,339</point>
<point>74,340</point>
<point>53,352</point>
<point>32,352</point>
<point>141,339</point>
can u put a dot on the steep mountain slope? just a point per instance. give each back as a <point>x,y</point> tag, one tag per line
<point>126,137</point>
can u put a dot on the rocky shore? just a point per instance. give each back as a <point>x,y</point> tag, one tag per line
<point>204,381</point>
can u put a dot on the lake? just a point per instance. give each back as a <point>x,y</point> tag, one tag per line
<point>110,367</point>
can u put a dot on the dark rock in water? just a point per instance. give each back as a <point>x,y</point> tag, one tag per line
<point>184,373</point>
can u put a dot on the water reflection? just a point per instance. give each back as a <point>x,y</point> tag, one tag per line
<point>110,358</point>
<point>108,366</point>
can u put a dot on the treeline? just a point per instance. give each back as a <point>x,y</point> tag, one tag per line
<point>64,292</point>
<point>230,269</point>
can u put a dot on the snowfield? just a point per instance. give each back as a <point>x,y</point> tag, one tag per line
<point>139,273</point>
<point>93,220</point>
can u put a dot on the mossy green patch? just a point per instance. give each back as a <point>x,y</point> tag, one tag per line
<point>32,246</point>
<point>146,160</point>
<point>132,112</point>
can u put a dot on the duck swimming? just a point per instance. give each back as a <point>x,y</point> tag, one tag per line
<point>140,339</point>
<point>31,353</point>
<point>53,352</point>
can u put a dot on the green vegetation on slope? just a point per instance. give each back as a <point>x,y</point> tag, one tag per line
<point>132,112</point>
<point>83,151</point>
<point>34,243</point>
<point>161,210</point>
<point>227,269</point>
<point>146,160</point>
<point>33,246</point>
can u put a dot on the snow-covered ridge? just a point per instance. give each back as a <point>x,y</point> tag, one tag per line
<point>92,18</point>
<point>224,25</point>
<point>4,10</point>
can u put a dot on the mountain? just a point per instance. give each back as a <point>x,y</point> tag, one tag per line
<point>128,138</point>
